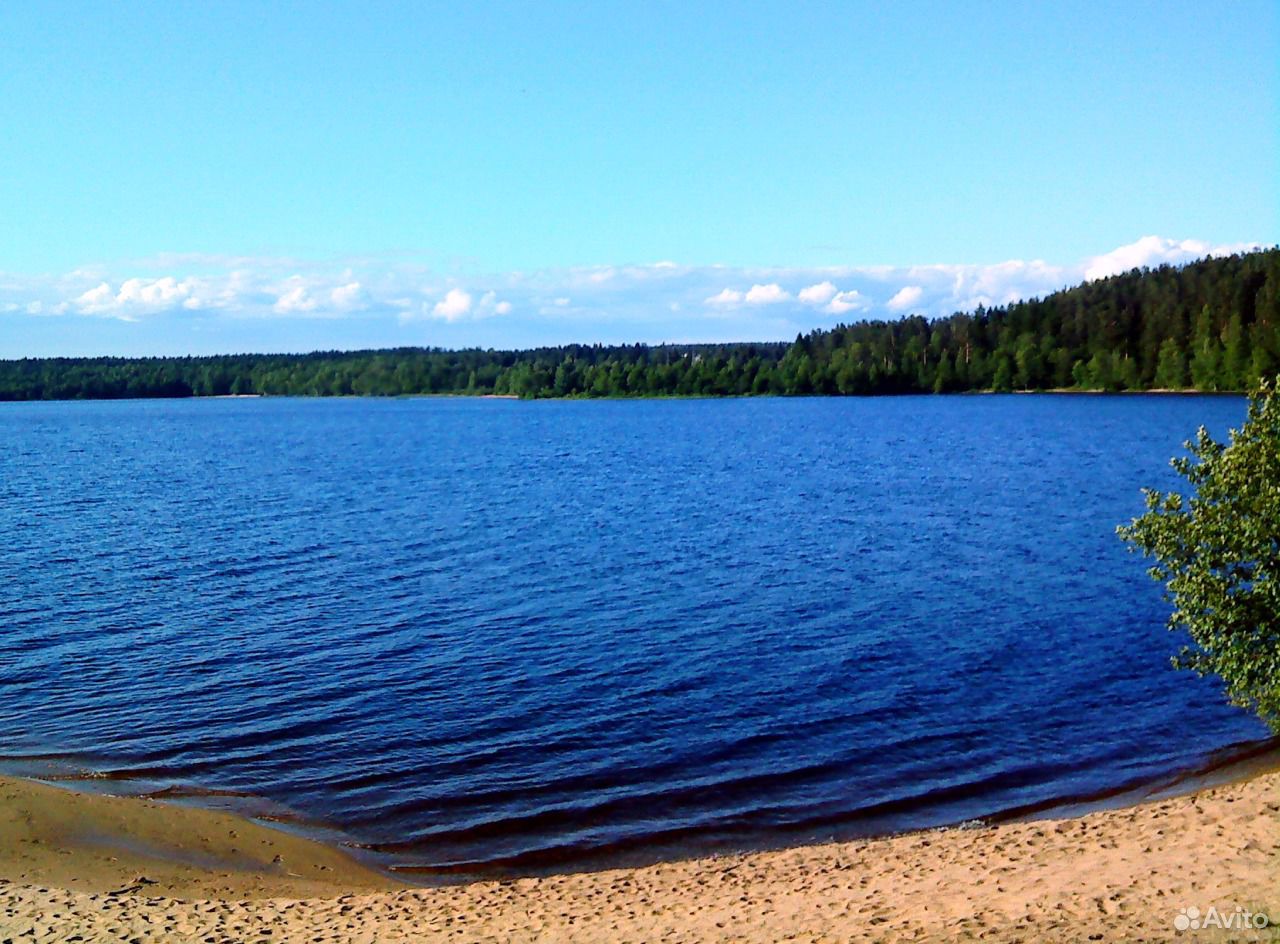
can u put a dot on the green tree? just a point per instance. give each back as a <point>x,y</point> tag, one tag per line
<point>1235,356</point>
<point>1218,554</point>
<point>1171,369</point>
<point>1206,362</point>
<point>566,381</point>
<point>1099,372</point>
<point>1124,372</point>
<point>1003,380</point>
<point>944,379</point>
<point>1027,359</point>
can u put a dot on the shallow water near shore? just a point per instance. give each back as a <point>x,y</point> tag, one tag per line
<point>480,634</point>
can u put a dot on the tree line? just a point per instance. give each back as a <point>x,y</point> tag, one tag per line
<point>1212,325</point>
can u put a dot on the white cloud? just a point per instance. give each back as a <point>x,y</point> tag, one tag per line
<point>490,305</point>
<point>726,298</point>
<point>770,294</point>
<point>844,302</point>
<point>453,306</point>
<point>905,297</point>
<point>1154,251</point>
<point>456,306</point>
<point>652,302</point>
<point>96,300</point>
<point>346,297</point>
<point>818,294</point>
<point>964,288</point>
<point>135,297</point>
<point>158,293</point>
<point>295,298</point>
<point>828,298</point>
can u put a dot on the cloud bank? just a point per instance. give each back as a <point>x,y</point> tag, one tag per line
<point>191,301</point>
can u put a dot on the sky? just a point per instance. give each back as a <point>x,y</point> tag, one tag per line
<point>200,178</point>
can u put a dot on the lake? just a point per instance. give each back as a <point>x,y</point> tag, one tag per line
<point>474,634</point>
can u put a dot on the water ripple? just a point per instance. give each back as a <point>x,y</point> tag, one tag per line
<point>483,634</point>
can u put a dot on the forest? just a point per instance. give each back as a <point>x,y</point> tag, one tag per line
<point>1211,325</point>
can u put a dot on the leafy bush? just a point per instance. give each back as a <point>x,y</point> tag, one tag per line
<point>1218,554</point>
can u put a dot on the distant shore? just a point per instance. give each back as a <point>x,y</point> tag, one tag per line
<point>108,869</point>
<point>1055,391</point>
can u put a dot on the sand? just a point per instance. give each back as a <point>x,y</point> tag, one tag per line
<point>95,843</point>
<point>88,868</point>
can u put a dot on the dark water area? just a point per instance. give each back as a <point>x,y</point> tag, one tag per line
<point>476,634</point>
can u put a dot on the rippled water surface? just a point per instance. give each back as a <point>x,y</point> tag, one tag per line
<point>472,631</point>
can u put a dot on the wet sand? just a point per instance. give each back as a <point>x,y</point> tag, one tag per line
<point>91,868</point>
<point>89,842</point>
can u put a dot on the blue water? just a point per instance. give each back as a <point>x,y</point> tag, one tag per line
<point>473,632</point>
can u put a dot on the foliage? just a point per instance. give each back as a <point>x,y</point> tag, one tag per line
<point>1212,325</point>
<point>1218,553</point>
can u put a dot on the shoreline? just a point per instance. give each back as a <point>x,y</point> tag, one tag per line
<point>99,843</point>
<point>1232,763</point>
<point>458,395</point>
<point>1121,872</point>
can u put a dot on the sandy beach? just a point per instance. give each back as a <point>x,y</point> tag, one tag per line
<point>77,867</point>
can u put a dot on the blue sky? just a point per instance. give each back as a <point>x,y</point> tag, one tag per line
<point>195,178</point>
